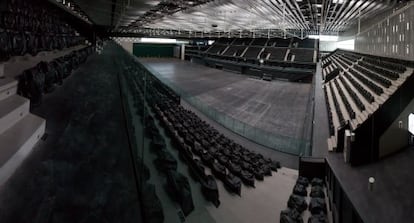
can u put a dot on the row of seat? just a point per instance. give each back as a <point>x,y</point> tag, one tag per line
<point>303,55</point>
<point>337,108</point>
<point>379,79</point>
<point>352,57</point>
<point>386,65</point>
<point>229,161</point>
<point>354,96</point>
<point>343,60</point>
<point>31,27</point>
<point>272,42</point>
<point>371,85</point>
<point>384,72</point>
<point>348,106</point>
<point>297,203</point>
<point>34,16</point>
<point>270,53</point>
<point>33,24</point>
<point>20,43</point>
<point>151,204</point>
<point>365,93</point>
<point>45,76</point>
<point>330,117</point>
<point>165,162</point>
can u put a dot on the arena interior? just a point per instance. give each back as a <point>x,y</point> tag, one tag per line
<point>206,111</point>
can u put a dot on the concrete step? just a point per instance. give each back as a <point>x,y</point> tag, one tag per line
<point>12,110</point>
<point>8,87</point>
<point>17,143</point>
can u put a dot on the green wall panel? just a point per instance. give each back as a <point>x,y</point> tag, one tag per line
<point>153,50</point>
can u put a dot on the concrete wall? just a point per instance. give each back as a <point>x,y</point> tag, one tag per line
<point>393,36</point>
<point>396,138</point>
<point>327,46</point>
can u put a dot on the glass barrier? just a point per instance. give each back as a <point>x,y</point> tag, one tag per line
<point>295,146</point>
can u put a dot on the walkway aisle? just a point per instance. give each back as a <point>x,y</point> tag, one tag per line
<point>320,127</point>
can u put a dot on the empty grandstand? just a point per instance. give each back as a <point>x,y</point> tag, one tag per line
<point>206,111</point>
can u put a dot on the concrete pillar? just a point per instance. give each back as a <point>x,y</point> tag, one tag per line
<point>182,51</point>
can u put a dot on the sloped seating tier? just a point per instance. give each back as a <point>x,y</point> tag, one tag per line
<point>235,51</point>
<point>371,87</point>
<point>337,107</point>
<point>366,94</point>
<point>224,41</point>
<point>379,79</point>
<point>344,61</point>
<point>331,75</point>
<point>351,57</point>
<point>306,43</point>
<point>259,42</point>
<point>242,41</point>
<point>216,49</point>
<point>348,106</point>
<point>29,27</point>
<point>385,64</point>
<point>377,90</point>
<point>276,53</point>
<point>252,52</point>
<point>330,121</point>
<point>354,96</point>
<point>303,55</point>
<point>386,73</point>
<point>282,43</point>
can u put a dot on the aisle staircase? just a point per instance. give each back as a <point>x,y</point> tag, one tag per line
<point>19,129</point>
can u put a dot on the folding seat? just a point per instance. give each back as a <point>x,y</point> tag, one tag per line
<point>19,43</point>
<point>209,190</point>
<point>32,44</point>
<point>152,206</point>
<point>59,71</point>
<point>5,46</point>
<point>31,85</point>
<point>50,76</point>
<point>297,202</point>
<point>179,188</point>
<point>9,20</point>
<point>232,183</point>
<point>290,216</point>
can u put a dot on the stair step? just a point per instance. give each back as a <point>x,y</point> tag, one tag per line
<point>12,109</point>
<point>8,87</point>
<point>17,143</point>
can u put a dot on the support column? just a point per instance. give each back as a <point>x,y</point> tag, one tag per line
<point>182,51</point>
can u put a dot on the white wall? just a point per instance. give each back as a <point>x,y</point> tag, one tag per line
<point>390,37</point>
<point>126,45</point>
<point>331,46</point>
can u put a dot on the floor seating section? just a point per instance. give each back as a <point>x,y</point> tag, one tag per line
<point>29,27</point>
<point>306,197</point>
<point>251,50</point>
<point>356,85</point>
<point>199,145</point>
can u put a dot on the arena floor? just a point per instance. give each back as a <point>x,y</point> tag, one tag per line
<point>278,107</point>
